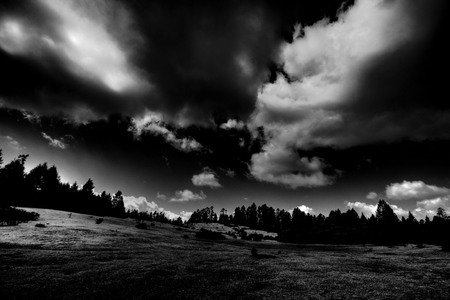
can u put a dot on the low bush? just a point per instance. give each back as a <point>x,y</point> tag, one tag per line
<point>99,221</point>
<point>40,225</point>
<point>209,235</point>
<point>256,237</point>
<point>446,246</point>
<point>141,225</point>
<point>10,216</point>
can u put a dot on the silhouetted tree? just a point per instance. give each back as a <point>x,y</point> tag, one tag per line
<point>251,216</point>
<point>13,181</point>
<point>385,215</point>
<point>88,187</point>
<point>117,205</point>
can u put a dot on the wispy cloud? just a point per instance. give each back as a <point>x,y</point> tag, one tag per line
<point>372,196</point>
<point>53,142</point>
<point>281,166</point>
<point>153,123</point>
<point>12,143</point>
<point>80,39</point>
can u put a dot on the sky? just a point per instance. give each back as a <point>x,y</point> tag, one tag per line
<point>320,104</point>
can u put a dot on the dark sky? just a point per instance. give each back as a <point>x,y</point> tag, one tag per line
<point>186,104</point>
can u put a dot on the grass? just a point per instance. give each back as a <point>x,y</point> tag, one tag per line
<point>74,258</point>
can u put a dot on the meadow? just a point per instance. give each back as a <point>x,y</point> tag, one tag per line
<point>75,258</point>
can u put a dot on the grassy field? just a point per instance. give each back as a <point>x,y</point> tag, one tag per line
<point>75,258</point>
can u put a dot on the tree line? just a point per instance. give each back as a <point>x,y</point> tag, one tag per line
<point>384,227</point>
<point>42,188</point>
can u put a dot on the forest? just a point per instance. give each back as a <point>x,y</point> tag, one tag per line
<point>337,228</point>
<point>41,187</point>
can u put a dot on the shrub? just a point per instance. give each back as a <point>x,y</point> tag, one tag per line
<point>40,225</point>
<point>209,235</point>
<point>10,216</point>
<point>256,237</point>
<point>99,221</point>
<point>446,246</point>
<point>141,225</point>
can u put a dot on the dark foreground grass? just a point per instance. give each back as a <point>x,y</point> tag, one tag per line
<point>74,258</point>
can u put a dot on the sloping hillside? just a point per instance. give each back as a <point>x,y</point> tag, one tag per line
<point>75,258</point>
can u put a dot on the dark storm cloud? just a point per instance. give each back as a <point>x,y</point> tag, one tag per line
<point>190,60</point>
<point>58,58</point>
<point>210,58</point>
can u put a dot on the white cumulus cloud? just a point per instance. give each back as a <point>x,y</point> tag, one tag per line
<point>414,190</point>
<point>305,209</point>
<point>372,196</point>
<point>312,108</point>
<point>232,124</point>
<point>141,204</point>
<point>187,195</point>
<point>206,178</point>
<point>361,207</point>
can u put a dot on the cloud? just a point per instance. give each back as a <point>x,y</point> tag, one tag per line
<point>187,195</point>
<point>305,209</point>
<point>364,208</point>
<point>428,199</point>
<point>372,196</point>
<point>93,58</point>
<point>206,178</point>
<point>414,190</point>
<point>232,124</point>
<point>346,78</point>
<point>53,142</point>
<point>86,45</point>
<point>79,39</point>
<point>281,166</point>
<point>141,204</point>
<point>400,212</point>
<point>429,207</point>
<point>184,215</point>
<point>77,53</point>
<point>152,123</point>
<point>161,196</point>
<point>12,143</point>
<point>370,209</point>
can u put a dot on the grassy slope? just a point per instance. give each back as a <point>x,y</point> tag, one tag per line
<point>76,258</point>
